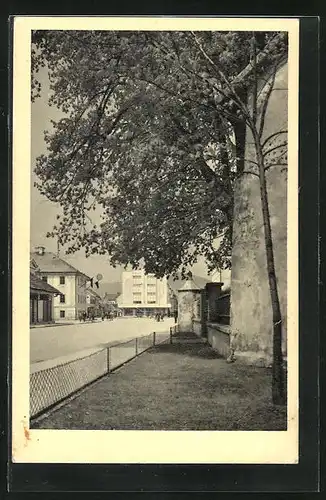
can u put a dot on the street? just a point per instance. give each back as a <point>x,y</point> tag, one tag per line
<point>54,341</point>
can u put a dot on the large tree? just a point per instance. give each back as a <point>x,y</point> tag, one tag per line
<point>141,127</point>
<point>154,133</point>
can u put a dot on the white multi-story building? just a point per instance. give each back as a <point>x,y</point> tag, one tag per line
<point>69,281</point>
<point>143,294</point>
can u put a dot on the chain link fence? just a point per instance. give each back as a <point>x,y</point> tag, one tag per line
<point>120,353</point>
<point>51,384</point>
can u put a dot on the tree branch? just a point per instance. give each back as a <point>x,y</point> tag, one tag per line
<point>275,147</point>
<point>276,165</point>
<point>222,75</point>
<point>271,137</point>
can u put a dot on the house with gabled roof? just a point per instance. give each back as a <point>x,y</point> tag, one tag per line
<point>41,297</point>
<point>69,281</point>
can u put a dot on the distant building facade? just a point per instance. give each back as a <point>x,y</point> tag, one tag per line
<point>143,294</point>
<point>93,301</point>
<point>69,281</point>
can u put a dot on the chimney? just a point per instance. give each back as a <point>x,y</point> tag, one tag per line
<point>40,250</point>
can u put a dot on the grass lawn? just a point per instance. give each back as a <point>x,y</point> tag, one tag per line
<point>174,387</point>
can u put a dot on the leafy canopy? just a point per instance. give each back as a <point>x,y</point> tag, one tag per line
<point>147,135</point>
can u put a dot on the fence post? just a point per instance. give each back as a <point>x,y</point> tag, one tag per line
<point>136,346</point>
<point>108,359</point>
<point>154,338</point>
<point>170,334</point>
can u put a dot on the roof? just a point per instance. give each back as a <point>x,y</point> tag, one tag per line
<point>111,296</point>
<point>35,283</point>
<point>92,292</point>
<point>189,284</point>
<point>51,263</point>
<point>110,288</point>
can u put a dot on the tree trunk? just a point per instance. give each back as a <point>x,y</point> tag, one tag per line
<point>278,379</point>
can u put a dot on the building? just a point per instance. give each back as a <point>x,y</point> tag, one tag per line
<point>93,301</point>
<point>69,281</point>
<point>41,297</point>
<point>143,294</point>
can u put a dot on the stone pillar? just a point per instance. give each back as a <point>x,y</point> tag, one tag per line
<point>204,312</point>
<point>187,298</point>
<point>213,290</point>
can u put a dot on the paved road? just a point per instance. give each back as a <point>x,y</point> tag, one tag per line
<point>53,341</point>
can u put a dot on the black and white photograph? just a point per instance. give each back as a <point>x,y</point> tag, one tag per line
<point>162,255</point>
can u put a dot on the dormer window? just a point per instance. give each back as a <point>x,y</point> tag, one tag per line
<point>62,280</point>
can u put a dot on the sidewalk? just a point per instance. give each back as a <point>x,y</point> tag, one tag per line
<point>174,387</point>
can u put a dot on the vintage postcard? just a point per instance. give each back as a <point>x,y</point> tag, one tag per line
<point>155,240</point>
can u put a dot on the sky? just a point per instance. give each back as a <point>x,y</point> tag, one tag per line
<point>43,211</point>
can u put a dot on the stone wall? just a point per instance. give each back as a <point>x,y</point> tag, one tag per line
<point>218,336</point>
<point>251,312</point>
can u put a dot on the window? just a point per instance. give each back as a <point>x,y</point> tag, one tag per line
<point>62,280</point>
<point>62,314</point>
<point>151,293</point>
<point>137,285</point>
<point>150,285</point>
<point>45,278</point>
<point>152,302</point>
<point>62,298</point>
<point>136,301</point>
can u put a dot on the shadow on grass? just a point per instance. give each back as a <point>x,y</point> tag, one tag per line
<point>200,350</point>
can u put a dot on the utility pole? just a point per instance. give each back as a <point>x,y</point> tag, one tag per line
<point>58,248</point>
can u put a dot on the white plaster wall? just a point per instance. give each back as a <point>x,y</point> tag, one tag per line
<point>251,312</point>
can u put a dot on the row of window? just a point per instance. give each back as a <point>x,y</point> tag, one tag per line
<point>62,279</point>
<point>138,294</point>
<point>140,302</point>
<point>135,301</point>
<point>139,274</point>
<point>81,299</point>
<point>149,285</point>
